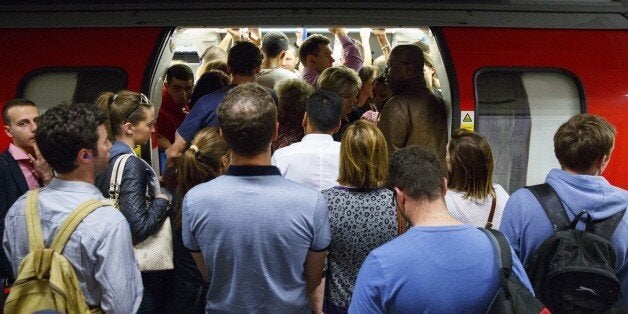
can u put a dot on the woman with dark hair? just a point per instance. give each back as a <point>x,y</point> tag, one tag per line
<point>207,157</point>
<point>140,200</point>
<point>361,211</point>
<point>471,195</point>
<point>208,83</point>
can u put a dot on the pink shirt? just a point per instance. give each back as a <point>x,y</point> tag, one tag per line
<point>26,165</point>
<point>351,58</point>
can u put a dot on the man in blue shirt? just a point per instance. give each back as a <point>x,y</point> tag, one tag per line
<point>260,239</point>
<point>439,265</point>
<point>73,139</point>
<point>244,62</point>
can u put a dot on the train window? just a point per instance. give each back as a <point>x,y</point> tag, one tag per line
<point>519,111</point>
<point>51,86</point>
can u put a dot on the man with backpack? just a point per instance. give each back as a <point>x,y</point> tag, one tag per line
<point>577,260</point>
<point>69,251</point>
<point>440,265</point>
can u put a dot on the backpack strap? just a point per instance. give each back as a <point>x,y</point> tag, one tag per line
<point>503,256</point>
<point>33,223</point>
<point>546,195</point>
<point>606,227</point>
<point>70,223</point>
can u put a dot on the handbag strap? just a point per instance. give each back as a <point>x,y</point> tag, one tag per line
<point>116,177</point>
<point>489,222</point>
<point>33,223</point>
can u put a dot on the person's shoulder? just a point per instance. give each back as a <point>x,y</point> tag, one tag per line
<point>500,191</point>
<point>6,158</point>
<point>286,150</point>
<point>286,73</point>
<point>296,189</point>
<point>213,97</point>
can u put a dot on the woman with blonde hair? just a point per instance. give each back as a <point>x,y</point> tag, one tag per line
<point>471,195</point>
<point>207,157</point>
<point>346,83</point>
<point>361,211</point>
<point>140,200</point>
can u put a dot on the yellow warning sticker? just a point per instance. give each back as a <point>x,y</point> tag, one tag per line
<point>467,118</point>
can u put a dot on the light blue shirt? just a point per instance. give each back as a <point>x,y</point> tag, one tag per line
<point>444,269</point>
<point>100,248</point>
<point>254,230</point>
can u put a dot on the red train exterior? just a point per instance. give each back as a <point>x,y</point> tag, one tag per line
<point>596,57</point>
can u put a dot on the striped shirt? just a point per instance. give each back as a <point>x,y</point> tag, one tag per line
<point>100,248</point>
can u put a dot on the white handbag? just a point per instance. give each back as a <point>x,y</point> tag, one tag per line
<point>154,253</point>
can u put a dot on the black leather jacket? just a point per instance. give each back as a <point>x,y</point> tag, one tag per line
<point>145,213</point>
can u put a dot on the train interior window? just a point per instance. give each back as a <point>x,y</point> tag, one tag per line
<point>519,111</point>
<point>49,87</point>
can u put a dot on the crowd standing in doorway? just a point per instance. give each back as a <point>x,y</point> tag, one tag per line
<point>292,184</point>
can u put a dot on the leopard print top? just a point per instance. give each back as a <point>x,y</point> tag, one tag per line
<point>361,220</point>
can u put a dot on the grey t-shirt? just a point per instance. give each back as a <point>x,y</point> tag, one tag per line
<point>254,229</point>
<point>271,77</point>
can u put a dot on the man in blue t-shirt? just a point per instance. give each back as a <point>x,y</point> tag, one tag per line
<point>439,265</point>
<point>244,62</point>
<point>260,239</point>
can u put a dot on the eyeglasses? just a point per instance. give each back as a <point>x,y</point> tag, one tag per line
<point>143,102</point>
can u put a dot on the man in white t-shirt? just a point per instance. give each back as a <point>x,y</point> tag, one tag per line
<point>274,47</point>
<point>314,161</point>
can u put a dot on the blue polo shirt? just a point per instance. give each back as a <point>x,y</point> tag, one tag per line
<point>254,229</point>
<point>203,113</point>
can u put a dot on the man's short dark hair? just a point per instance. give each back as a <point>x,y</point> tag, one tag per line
<point>244,57</point>
<point>418,172</point>
<point>274,43</point>
<point>64,130</point>
<point>180,72</point>
<point>247,117</point>
<point>310,46</point>
<point>581,141</point>
<point>324,110</point>
<point>14,103</point>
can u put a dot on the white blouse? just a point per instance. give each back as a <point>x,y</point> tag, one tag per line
<point>475,212</point>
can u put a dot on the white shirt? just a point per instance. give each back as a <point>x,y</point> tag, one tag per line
<point>474,212</point>
<point>314,161</point>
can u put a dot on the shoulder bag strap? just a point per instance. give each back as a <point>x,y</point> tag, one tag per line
<point>33,222</point>
<point>606,227</point>
<point>503,257</point>
<point>546,195</point>
<point>116,177</point>
<point>489,222</point>
<point>70,223</point>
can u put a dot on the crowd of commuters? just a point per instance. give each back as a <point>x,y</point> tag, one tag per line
<point>291,186</point>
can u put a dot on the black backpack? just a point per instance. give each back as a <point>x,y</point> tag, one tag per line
<point>512,297</point>
<point>573,271</point>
